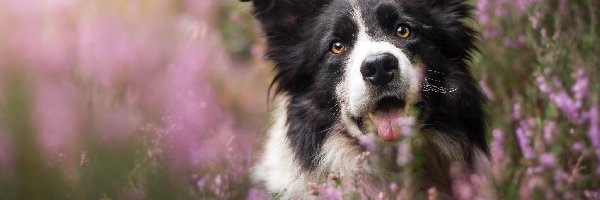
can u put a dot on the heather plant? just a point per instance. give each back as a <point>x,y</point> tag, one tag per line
<point>168,100</point>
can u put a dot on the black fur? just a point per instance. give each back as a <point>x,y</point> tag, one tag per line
<point>299,33</point>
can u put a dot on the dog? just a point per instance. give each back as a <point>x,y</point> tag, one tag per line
<point>340,64</point>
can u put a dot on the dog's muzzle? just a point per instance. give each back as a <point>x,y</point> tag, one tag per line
<point>379,70</point>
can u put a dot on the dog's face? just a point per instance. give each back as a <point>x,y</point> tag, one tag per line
<point>364,59</point>
<point>372,44</point>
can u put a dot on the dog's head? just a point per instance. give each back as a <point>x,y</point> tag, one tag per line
<point>365,59</point>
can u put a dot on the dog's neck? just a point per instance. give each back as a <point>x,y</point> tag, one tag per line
<point>339,154</point>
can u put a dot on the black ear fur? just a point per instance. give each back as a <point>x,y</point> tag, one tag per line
<point>284,23</point>
<point>458,38</point>
<point>456,41</point>
<point>283,18</point>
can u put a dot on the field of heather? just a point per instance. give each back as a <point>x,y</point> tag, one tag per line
<point>151,99</point>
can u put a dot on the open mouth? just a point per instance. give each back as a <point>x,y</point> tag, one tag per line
<point>387,116</point>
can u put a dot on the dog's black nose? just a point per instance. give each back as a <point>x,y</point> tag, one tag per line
<point>379,69</point>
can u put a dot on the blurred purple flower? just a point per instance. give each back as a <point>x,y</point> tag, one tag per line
<point>594,131</point>
<point>521,40</point>
<point>568,105</point>
<point>432,194</point>
<point>381,196</point>
<point>201,9</point>
<point>498,153</point>
<point>486,89</point>
<point>106,51</point>
<point>461,187</point>
<point>541,83</point>
<point>256,194</point>
<point>406,125</point>
<point>201,183</point>
<point>560,176</point>
<point>523,5</point>
<point>549,132</point>
<point>534,171</point>
<point>115,123</point>
<point>530,185</point>
<point>524,134</point>
<point>6,154</point>
<point>548,160</point>
<point>369,141</point>
<point>330,193</point>
<point>516,111</point>
<point>404,156</point>
<point>544,33</point>
<point>193,115</point>
<point>591,194</point>
<point>220,187</point>
<point>580,88</point>
<point>489,33</point>
<point>57,116</point>
<point>578,147</point>
<point>393,187</point>
<point>481,12</point>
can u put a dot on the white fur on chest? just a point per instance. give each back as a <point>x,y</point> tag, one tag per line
<point>280,173</point>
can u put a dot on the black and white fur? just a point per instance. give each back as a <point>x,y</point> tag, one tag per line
<point>323,99</point>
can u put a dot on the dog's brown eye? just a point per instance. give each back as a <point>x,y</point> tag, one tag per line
<point>338,48</point>
<point>403,31</point>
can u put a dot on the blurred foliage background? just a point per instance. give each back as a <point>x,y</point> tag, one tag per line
<point>148,99</point>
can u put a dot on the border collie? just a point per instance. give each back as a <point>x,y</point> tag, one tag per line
<point>342,63</point>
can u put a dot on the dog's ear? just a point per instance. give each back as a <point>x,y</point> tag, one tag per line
<point>282,20</point>
<point>285,24</point>
<point>457,8</point>
<point>458,38</point>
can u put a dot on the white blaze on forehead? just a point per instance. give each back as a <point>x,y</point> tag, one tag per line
<point>354,91</point>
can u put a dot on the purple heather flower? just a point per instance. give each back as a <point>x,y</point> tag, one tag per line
<point>534,170</point>
<point>564,102</point>
<point>523,5</point>
<point>498,153</point>
<point>580,88</point>
<point>330,193</point>
<point>6,154</point>
<point>508,42</point>
<point>404,156</point>
<point>523,133</point>
<point>560,175</point>
<point>568,105</point>
<point>578,147</point>
<point>462,190</point>
<point>500,11</point>
<point>381,196</point>
<point>521,40</point>
<point>201,183</point>
<point>541,82</point>
<point>549,132</point>
<point>482,13</point>
<point>369,141</point>
<point>516,111</point>
<point>486,89</point>
<point>544,33</point>
<point>530,185</point>
<point>313,189</point>
<point>489,33</point>
<point>393,187</point>
<point>57,116</point>
<point>591,194</point>
<point>548,160</point>
<point>256,194</point>
<point>594,131</point>
<point>535,21</point>
<point>406,125</point>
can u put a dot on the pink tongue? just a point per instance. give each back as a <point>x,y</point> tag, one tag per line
<point>386,123</point>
